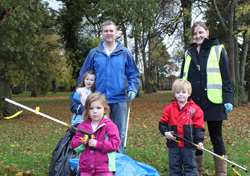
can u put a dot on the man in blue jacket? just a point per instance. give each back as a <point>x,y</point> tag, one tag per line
<point>115,67</point>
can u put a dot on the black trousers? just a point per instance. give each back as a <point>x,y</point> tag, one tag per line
<point>215,132</point>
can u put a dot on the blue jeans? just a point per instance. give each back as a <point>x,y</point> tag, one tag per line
<point>118,114</point>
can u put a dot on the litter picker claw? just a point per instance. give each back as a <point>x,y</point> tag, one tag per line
<point>221,157</point>
<point>90,135</point>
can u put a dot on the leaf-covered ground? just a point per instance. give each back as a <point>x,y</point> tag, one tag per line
<point>26,143</point>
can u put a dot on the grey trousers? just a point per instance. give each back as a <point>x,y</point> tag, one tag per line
<point>182,158</point>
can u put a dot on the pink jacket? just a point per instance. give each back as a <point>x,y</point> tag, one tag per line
<point>108,141</point>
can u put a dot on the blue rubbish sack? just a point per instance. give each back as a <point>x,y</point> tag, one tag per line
<point>125,166</point>
<point>74,163</point>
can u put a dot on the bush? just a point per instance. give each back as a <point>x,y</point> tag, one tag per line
<point>17,90</point>
<point>236,92</point>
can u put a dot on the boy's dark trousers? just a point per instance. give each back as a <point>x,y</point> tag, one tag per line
<point>181,156</point>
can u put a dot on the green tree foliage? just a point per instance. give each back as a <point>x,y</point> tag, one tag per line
<point>152,19</point>
<point>22,23</point>
<point>215,28</point>
<point>160,61</point>
<point>52,53</point>
<point>51,49</point>
<point>76,42</point>
<point>142,20</point>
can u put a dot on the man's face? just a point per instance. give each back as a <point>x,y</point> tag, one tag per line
<point>109,33</point>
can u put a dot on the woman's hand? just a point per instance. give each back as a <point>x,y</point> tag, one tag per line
<point>228,107</point>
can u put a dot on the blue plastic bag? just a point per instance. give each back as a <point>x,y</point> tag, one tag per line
<point>126,166</point>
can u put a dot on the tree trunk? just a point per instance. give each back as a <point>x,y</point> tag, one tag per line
<point>54,85</point>
<point>187,18</point>
<point>248,88</point>
<point>231,41</point>
<point>155,78</point>
<point>147,85</point>
<point>151,68</point>
<point>236,59</point>
<point>229,31</point>
<point>142,83</point>
<point>6,109</point>
<point>125,36</point>
<point>45,90</point>
<point>236,55</point>
<point>243,64</point>
<point>136,51</point>
<point>33,92</point>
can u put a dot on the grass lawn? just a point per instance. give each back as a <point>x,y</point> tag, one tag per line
<point>26,143</point>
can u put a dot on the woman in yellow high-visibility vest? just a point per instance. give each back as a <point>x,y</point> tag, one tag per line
<point>205,65</point>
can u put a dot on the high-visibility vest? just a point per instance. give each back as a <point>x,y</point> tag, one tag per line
<point>214,80</point>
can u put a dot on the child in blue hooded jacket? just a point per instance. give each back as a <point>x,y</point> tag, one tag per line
<point>78,97</point>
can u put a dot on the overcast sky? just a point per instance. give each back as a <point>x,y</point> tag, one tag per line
<point>53,4</point>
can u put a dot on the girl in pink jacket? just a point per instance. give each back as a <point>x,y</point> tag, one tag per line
<point>98,154</point>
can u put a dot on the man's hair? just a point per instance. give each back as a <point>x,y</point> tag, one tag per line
<point>181,84</point>
<point>90,99</point>
<point>108,22</point>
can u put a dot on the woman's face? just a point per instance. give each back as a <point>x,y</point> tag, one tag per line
<point>200,34</point>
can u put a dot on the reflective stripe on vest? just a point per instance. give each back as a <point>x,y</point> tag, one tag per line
<point>186,66</point>
<point>214,80</point>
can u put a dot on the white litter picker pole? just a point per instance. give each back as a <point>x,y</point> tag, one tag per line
<point>46,116</point>
<point>212,153</point>
<point>126,134</point>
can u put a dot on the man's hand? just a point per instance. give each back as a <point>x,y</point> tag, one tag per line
<point>132,94</point>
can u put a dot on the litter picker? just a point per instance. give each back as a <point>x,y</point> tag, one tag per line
<point>221,157</point>
<point>125,142</point>
<point>90,135</point>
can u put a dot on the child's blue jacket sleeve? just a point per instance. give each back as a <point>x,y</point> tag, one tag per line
<point>75,103</point>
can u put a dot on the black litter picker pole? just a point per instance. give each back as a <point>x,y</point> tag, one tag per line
<point>212,153</point>
<point>90,135</point>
